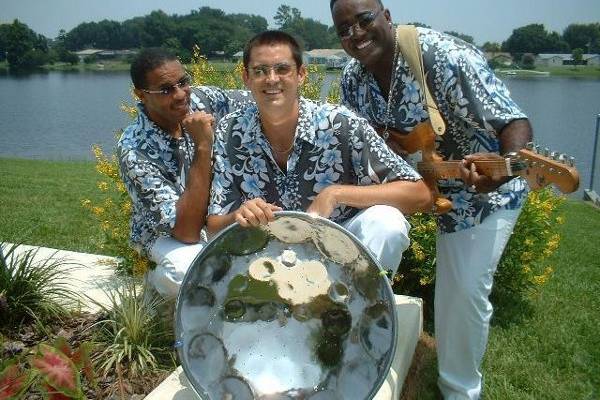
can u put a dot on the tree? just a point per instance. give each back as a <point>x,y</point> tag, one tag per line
<point>491,47</point>
<point>577,56</point>
<point>535,39</point>
<point>583,36</point>
<point>25,49</point>
<point>419,25</point>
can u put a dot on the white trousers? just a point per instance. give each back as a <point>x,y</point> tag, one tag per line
<point>172,258</point>
<point>384,231</point>
<point>466,263</point>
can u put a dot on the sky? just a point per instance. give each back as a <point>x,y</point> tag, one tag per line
<point>485,20</point>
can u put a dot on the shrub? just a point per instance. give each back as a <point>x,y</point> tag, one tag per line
<point>522,270</point>
<point>135,335</point>
<point>32,289</point>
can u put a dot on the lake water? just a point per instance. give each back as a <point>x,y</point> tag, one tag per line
<point>59,115</point>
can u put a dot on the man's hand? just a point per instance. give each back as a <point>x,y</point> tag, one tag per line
<point>325,202</point>
<point>200,127</point>
<point>255,212</point>
<point>479,182</point>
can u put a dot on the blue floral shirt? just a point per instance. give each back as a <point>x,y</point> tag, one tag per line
<point>474,103</point>
<point>154,165</point>
<point>332,146</point>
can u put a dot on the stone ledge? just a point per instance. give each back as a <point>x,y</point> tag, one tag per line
<point>86,274</point>
<point>409,310</point>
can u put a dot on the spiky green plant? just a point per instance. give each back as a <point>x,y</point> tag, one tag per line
<point>135,335</point>
<point>32,289</point>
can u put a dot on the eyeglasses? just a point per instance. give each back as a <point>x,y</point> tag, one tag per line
<point>280,69</point>
<point>168,90</point>
<point>363,21</point>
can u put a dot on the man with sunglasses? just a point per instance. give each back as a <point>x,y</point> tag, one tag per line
<point>482,122</point>
<point>289,153</point>
<point>164,159</point>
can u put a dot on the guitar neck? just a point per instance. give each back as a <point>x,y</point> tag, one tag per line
<point>451,169</point>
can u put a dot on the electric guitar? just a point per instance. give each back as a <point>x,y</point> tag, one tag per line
<point>539,170</point>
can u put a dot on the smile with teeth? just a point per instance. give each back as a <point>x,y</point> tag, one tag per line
<point>362,45</point>
<point>272,91</point>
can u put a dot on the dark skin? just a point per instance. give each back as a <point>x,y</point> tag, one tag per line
<point>374,48</point>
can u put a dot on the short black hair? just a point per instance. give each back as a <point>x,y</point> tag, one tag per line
<point>147,60</point>
<point>332,2</point>
<point>273,37</point>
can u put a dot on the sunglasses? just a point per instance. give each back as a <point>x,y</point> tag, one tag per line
<point>363,21</point>
<point>168,90</point>
<point>280,69</point>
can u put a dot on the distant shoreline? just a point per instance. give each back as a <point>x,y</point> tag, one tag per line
<point>584,71</point>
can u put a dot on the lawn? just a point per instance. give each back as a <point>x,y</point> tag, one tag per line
<point>552,354</point>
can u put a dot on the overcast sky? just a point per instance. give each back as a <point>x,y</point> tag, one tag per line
<point>485,20</point>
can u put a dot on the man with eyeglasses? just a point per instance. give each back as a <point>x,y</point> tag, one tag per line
<point>165,163</point>
<point>289,153</point>
<point>482,122</point>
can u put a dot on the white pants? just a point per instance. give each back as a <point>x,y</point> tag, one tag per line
<point>384,231</point>
<point>172,258</point>
<point>466,262</point>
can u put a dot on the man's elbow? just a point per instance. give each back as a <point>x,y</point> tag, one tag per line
<point>423,199</point>
<point>186,237</point>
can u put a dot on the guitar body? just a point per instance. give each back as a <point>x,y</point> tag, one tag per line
<point>422,140</point>
<point>538,170</point>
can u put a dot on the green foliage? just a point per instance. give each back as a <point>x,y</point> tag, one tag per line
<point>534,38</point>
<point>55,370</point>
<point>31,289</point>
<point>24,49</point>
<point>583,36</point>
<point>522,270</point>
<point>135,335</point>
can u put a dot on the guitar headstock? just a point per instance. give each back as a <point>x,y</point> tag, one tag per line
<point>543,169</point>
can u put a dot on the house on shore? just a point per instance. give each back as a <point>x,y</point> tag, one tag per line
<point>560,60</point>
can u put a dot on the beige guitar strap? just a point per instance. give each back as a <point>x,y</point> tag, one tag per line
<point>408,45</point>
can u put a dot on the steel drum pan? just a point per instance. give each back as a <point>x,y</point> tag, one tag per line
<point>296,309</point>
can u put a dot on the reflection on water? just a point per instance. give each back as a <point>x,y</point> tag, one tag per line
<point>58,115</point>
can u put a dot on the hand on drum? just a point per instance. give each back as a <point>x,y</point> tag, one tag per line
<point>255,212</point>
<point>325,202</point>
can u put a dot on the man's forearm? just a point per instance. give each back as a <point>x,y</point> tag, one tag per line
<point>193,203</point>
<point>515,135</point>
<point>408,196</point>
<point>215,223</point>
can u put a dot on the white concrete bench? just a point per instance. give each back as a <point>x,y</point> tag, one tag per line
<point>86,274</point>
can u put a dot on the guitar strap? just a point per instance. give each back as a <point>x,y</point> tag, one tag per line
<point>407,39</point>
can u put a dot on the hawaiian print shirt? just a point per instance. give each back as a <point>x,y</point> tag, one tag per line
<point>331,146</point>
<point>154,165</point>
<point>473,102</point>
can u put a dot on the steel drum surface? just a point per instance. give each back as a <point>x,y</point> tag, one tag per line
<point>296,309</point>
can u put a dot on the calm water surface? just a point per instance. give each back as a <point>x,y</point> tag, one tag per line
<point>59,115</point>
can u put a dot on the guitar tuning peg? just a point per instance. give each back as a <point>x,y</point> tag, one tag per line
<point>562,158</point>
<point>536,148</point>
<point>529,146</point>
<point>546,152</point>
<point>571,161</point>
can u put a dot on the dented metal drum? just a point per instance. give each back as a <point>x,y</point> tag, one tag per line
<point>297,309</point>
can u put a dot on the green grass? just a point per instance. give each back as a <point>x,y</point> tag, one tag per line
<point>40,204</point>
<point>553,354</point>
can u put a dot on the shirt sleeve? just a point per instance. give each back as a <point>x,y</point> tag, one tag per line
<point>219,102</point>
<point>147,185</point>
<point>225,196</point>
<point>372,160</point>
<point>470,87</point>
<point>348,88</point>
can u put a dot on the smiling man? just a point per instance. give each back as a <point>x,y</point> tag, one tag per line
<point>164,160</point>
<point>482,122</point>
<point>289,153</point>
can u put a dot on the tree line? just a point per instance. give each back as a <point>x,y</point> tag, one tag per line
<point>221,34</point>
